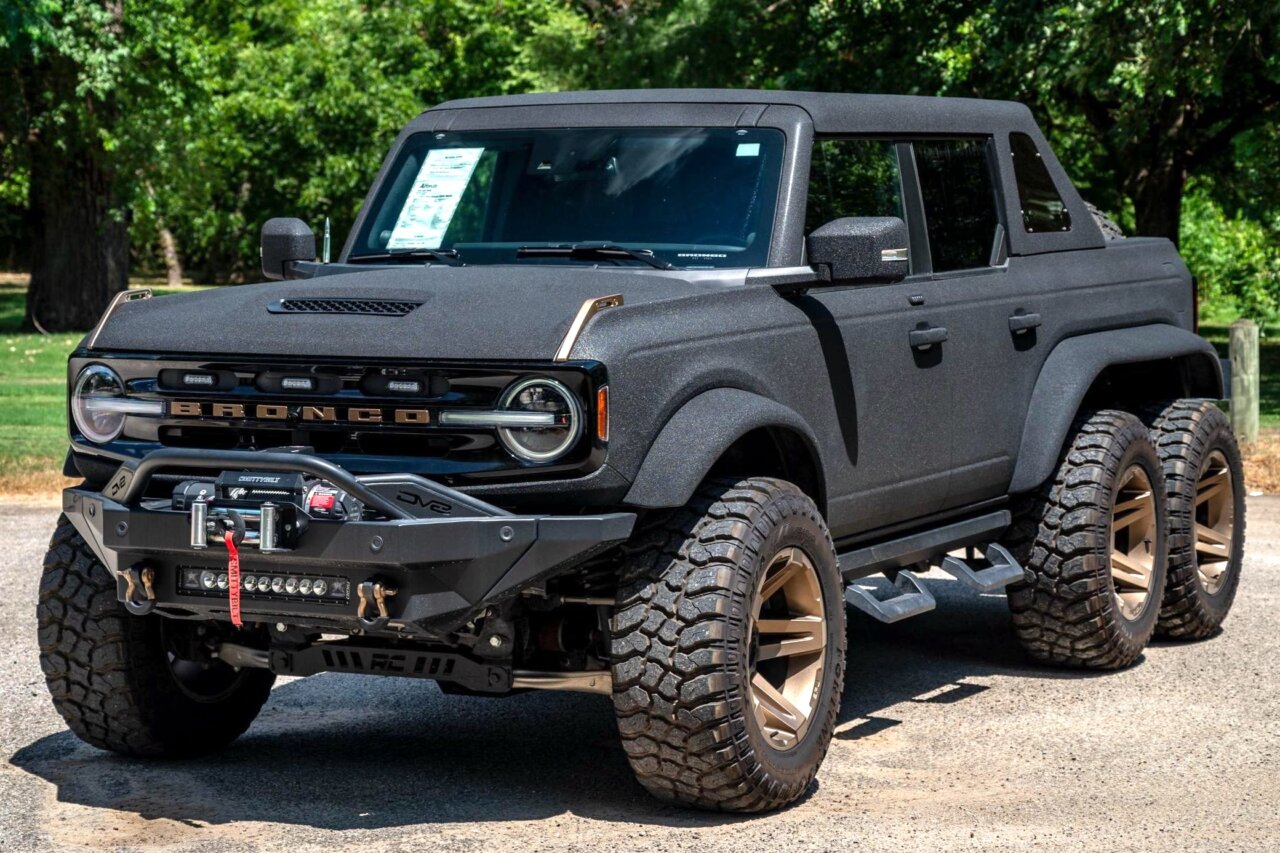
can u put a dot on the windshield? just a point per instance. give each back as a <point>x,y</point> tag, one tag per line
<point>694,197</point>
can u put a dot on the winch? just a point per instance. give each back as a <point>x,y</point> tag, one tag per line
<point>269,511</point>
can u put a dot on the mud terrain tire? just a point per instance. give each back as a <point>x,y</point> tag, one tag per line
<point>1205,492</point>
<point>109,672</point>
<point>687,648</point>
<point>1069,611</point>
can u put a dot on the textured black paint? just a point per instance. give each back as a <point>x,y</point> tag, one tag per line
<point>697,359</point>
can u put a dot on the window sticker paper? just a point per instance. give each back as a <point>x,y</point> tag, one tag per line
<point>434,198</point>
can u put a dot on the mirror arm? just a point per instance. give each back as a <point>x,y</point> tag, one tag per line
<point>295,270</point>
<point>788,281</point>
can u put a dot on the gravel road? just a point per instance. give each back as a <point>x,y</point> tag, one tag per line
<point>947,739</point>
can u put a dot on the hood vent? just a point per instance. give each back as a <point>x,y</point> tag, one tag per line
<point>376,307</point>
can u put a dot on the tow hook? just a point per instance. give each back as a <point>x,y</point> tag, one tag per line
<point>376,593</point>
<point>139,579</point>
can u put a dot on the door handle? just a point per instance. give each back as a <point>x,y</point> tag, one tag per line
<point>922,339</point>
<point>1019,323</point>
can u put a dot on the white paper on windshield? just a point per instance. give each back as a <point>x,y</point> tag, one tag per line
<point>434,198</point>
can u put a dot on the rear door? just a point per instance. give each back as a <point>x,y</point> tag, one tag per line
<point>993,311</point>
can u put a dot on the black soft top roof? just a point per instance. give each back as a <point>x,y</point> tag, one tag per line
<point>798,114</point>
<point>830,112</point>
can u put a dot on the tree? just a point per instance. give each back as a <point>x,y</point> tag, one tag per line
<point>1150,93</point>
<point>1139,96</point>
<point>303,98</point>
<point>88,87</point>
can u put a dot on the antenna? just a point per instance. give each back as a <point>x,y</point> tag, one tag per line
<point>325,257</point>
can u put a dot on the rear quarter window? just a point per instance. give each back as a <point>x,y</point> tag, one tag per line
<point>1042,207</point>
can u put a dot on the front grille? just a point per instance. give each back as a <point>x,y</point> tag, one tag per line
<point>376,307</point>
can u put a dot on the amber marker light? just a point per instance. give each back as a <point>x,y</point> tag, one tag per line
<point>602,413</point>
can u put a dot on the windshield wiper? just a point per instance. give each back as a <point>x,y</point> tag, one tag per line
<point>444,256</point>
<point>592,251</point>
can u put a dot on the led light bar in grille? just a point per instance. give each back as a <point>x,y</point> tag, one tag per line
<point>289,586</point>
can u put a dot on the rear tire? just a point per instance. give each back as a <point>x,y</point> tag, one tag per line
<point>112,677</point>
<point>1095,568</point>
<point>728,649</point>
<point>1205,488</point>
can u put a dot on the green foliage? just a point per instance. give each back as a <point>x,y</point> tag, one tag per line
<point>116,78</point>
<point>302,100</point>
<point>219,114</point>
<point>1138,96</point>
<point>1234,258</point>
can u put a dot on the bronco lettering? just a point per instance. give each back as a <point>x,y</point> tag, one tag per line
<point>294,413</point>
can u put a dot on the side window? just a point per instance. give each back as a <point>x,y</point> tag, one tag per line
<point>959,202</point>
<point>853,177</point>
<point>1042,207</point>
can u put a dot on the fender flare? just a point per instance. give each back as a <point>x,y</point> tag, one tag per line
<point>695,437</point>
<point>1074,365</point>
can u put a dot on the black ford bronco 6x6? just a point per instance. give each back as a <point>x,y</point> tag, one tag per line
<point>632,393</point>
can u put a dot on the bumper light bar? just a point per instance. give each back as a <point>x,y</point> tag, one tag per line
<point>296,587</point>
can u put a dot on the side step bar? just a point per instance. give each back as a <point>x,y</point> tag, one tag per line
<point>906,551</point>
<point>929,547</point>
<point>912,599</point>
<point>1000,571</point>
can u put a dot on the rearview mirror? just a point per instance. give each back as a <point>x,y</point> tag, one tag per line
<point>861,248</point>
<point>284,241</point>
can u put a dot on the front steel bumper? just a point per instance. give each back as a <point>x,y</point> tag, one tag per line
<point>448,556</point>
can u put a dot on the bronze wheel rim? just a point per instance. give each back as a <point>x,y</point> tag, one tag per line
<point>1133,542</point>
<point>788,648</point>
<point>1215,520</point>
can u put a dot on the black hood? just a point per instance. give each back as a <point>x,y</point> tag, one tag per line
<point>516,313</point>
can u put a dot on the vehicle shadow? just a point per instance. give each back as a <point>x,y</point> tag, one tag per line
<point>346,751</point>
<point>932,658</point>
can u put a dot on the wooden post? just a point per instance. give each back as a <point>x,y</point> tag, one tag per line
<point>1244,380</point>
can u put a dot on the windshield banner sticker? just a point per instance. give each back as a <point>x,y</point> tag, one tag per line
<point>434,198</point>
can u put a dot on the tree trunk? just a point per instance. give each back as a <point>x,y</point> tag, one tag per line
<point>80,236</point>
<point>1157,201</point>
<point>169,250</point>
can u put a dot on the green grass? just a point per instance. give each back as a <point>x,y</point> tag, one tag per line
<point>32,397</point>
<point>1269,359</point>
<point>33,393</point>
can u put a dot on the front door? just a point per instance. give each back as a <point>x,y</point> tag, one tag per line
<point>892,397</point>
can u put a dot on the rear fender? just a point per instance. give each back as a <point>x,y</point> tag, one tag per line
<point>1076,363</point>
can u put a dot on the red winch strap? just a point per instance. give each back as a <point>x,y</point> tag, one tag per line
<point>233,578</point>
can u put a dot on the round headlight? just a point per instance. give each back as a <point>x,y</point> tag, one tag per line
<point>96,418</point>
<point>544,397</point>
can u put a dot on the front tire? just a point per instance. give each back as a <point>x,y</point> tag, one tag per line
<point>1205,487</point>
<point>112,675</point>
<point>728,649</point>
<point>1095,569</point>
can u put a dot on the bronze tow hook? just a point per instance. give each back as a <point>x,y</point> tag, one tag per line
<point>134,578</point>
<point>376,593</point>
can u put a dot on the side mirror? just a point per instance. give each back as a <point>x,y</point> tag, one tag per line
<point>285,240</point>
<point>861,248</point>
